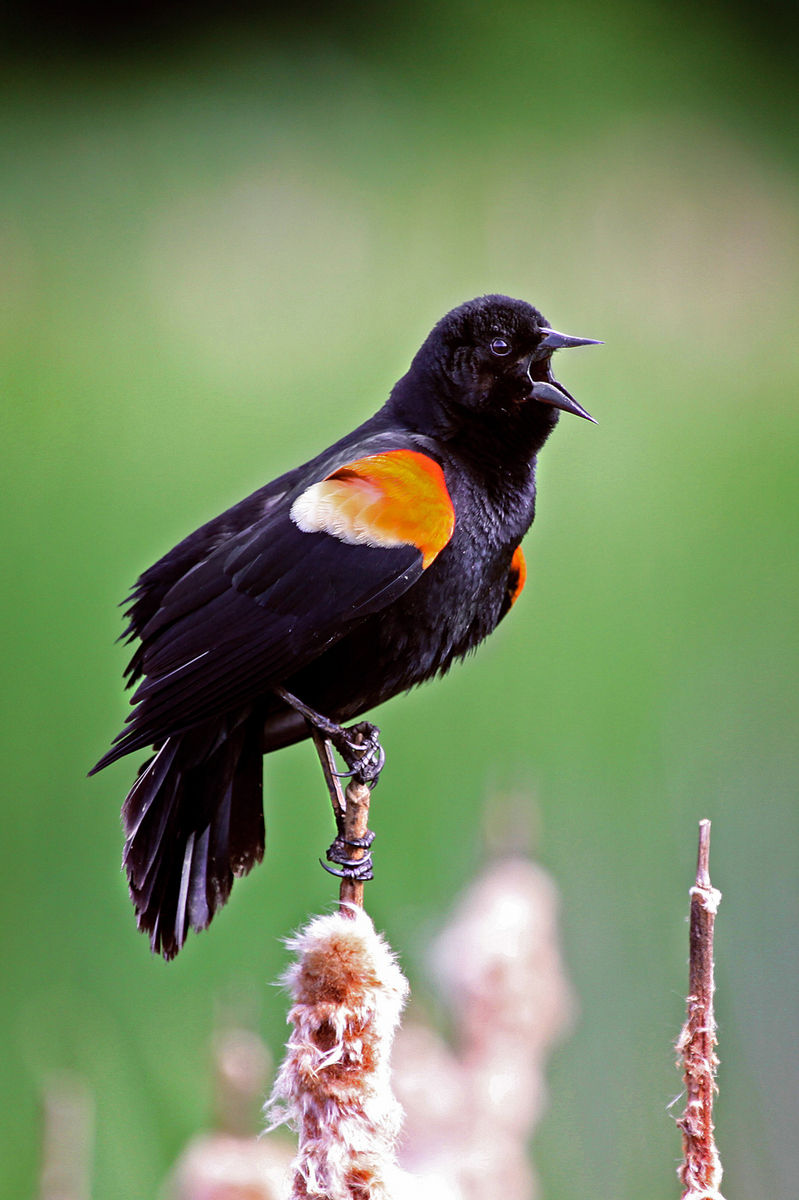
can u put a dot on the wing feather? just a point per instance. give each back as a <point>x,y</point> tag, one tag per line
<point>262,602</point>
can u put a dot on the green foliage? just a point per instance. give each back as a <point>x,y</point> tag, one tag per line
<point>214,260</point>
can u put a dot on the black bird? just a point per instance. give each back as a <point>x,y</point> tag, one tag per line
<point>347,580</point>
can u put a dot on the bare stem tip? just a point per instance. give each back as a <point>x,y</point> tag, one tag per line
<point>703,857</point>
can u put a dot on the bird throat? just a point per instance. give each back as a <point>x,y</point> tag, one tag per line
<point>503,444</point>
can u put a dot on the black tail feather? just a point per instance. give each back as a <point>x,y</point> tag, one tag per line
<point>193,822</point>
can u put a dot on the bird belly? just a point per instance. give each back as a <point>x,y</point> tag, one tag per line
<point>447,613</point>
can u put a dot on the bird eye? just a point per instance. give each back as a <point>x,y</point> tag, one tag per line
<point>500,346</point>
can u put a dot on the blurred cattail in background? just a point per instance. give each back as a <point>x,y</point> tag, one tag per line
<point>67,1139</point>
<point>232,1163</point>
<point>470,1109</point>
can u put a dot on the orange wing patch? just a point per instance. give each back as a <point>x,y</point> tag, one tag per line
<point>517,577</point>
<point>395,499</point>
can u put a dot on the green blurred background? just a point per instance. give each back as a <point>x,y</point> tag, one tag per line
<point>221,239</point>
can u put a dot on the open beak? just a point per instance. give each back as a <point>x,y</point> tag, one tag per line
<point>563,341</point>
<point>548,390</point>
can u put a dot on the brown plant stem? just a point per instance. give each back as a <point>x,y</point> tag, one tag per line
<point>700,1172</point>
<point>356,827</point>
<point>351,814</point>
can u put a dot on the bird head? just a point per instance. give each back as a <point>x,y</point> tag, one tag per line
<point>494,354</point>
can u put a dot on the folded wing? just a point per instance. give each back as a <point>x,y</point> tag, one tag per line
<point>262,602</point>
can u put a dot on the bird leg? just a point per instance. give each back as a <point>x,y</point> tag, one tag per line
<point>324,749</point>
<point>339,852</point>
<point>360,748</point>
<point>359,745</point>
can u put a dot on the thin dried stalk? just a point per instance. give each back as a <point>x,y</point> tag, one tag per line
<point>356,825</point>
<point>700,1172</point>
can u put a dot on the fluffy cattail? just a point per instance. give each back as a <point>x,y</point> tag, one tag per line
<point>334,1084</point>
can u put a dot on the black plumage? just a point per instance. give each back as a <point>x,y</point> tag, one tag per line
<point>338,614</point>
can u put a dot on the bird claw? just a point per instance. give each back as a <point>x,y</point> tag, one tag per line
<point>361,875</point>
<point>360,747</point>
<point>358,869</point>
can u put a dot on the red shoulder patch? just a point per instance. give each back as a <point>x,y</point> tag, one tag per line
<point>399,498</point>
<point>517,577</point>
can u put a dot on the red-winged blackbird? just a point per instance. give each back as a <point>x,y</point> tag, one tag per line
<point>349,579</point>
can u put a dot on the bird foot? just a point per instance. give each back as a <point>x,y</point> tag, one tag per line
<point>359,745</point>
<point>358,869</point>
